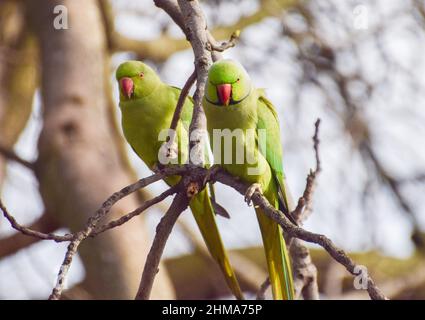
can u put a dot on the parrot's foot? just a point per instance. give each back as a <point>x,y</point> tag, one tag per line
<point>250,192</point>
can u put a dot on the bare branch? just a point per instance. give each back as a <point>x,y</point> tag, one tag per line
<point>163,231</point>
<point>10,155</point>
<point>106,207</point>
<point>220,176</point>
<point>91,224</point>
<point>212,44</point>
<point>180,103</point>
<point>15,242</point>
<point>26,231</point>
<point>196,26</point>
<point>297,232</point>
<point>131,215</point>
<point>305,201</point>
<point>173,10</point>
<point>305,272</point>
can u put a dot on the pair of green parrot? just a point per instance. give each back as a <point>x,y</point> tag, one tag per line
<point>231,102</point>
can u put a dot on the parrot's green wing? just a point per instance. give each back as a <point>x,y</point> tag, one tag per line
<point>187,111</point>
<point>280,270</point>
<point>268,120</point>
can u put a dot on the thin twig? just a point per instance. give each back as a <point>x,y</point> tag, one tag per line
<point>297,232</point>
<point>45,224</point>
<point>10,155</point>
<point>99,213</point>
<point>305,200</point>
<point>32,233</point>
<point>305,272</point>
<point>147,204</point>
<point>213,45</point>
<point>171,142</point>
<point>180,103</point>
<point>90,226</point>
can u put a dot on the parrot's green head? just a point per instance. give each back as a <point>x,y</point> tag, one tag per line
<point>136,80</point>
<point>228,83</point>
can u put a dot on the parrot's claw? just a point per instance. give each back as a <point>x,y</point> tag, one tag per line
<point>250,192</point>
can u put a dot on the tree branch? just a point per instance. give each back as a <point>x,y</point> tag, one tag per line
<point>147,204</point>
<point>15,242</point>
<point>205,175</point>
<point>182,97</point>
<point>163,231</point>
<point>100,213</point>
<point>213,45</point>
<point>304,203</point>
<point>305,272</point>
<point>161,48</point>
<point>90,227</point>
<point>29,232</point>
<point>196,27</point>
<point>172,8</point>
<point>10,155</point>
<point>297,232</point>
<point>188,15</point>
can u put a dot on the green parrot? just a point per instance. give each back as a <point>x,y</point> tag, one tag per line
<point>231,103</point>
<point>147,106</point>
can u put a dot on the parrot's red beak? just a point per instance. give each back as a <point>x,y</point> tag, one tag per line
<point>127,86</point>
<point>224,92</point>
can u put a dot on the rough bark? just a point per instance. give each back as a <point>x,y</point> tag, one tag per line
<point>18,76</point>
<point>79,162</point>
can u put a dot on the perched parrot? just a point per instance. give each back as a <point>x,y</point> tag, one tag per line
<point>231,102</point>
<point>147,106</point>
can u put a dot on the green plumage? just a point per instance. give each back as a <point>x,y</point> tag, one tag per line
<point>146,112</point>
<point>249,110</point>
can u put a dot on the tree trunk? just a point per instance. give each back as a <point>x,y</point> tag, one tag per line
<point>18,76</point>
<point>79,163</point>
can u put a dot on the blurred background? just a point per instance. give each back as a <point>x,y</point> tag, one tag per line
<point>358,65</point>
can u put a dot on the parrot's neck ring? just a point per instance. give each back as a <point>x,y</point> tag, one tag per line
<point>232,102</point>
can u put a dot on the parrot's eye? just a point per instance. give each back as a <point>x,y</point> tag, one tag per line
<point>238,80</point>
<point>141,74</point>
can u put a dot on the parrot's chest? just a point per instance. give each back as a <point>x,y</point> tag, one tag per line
<point>142,127</point>
<point>233,138</point>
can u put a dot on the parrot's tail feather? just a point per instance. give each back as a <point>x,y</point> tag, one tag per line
<point>278,263</point>
<point>205,218</point>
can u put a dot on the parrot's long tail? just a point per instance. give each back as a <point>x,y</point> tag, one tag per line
<point>205,218</point>
<point>278,263</point>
